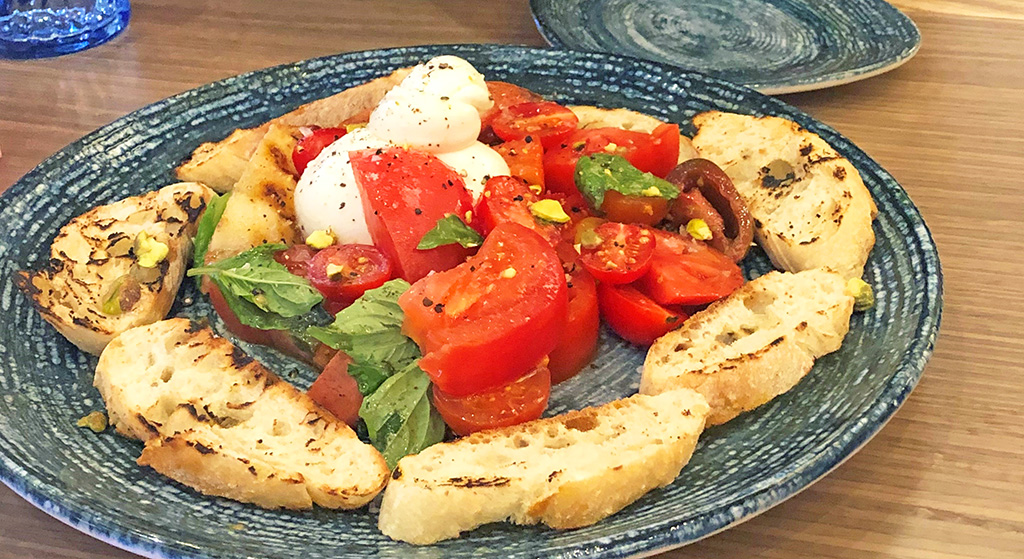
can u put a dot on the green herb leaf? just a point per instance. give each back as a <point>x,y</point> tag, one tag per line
<point>601,172</point>
<point>370,330</point>
<point>256,277</point>
<point>450,230</point>
<point>207,225</point>
<point>399,416</point>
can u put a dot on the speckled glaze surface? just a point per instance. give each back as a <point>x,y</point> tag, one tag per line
<point>774,46</point>
<point>740,469</point>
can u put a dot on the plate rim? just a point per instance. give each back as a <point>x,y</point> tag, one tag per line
<point>780,87</point>
<point>902,381</point>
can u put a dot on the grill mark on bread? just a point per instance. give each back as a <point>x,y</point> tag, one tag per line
<point>471,482</point>
<point>151,427</point>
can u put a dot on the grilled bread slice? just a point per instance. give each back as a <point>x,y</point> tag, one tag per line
<point>93,263</point>
<point>261,208</point>
<point>220,164</point>
<point>596,117</point>
<point>216,420</point>
<point>810,206</point>
<point>566,471</point>
<point>757,343</point>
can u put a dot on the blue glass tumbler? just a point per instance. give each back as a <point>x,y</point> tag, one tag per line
<point>41,28</point>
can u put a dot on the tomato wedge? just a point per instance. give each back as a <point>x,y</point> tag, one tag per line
<point>336,391</point>
<point>657,152</point>
<point>645,210</point>
<point>507,200</point>
<point>522,400</point>
<point>634,316</point>
<point>687,272</point>
<point>579,341</point>
<point>525,159</point>
<point>488,321</point>
<point>547,121</point>
<point>309,147</point>
<point>617,253</point>
<point>404,193</point>
<point>344,272</point>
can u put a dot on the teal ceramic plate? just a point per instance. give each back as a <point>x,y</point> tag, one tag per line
<point>740,469</point>
<point>774,46</point>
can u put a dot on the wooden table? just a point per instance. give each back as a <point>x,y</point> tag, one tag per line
<point>944,479</point>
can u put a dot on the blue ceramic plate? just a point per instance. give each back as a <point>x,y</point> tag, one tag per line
<point>774,46</point>
<point>91,481</point>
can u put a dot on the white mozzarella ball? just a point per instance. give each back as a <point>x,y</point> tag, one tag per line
<point>476,163</point>
<point>327,198</point>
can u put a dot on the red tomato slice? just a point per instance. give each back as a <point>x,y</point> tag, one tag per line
<point>489,320</point>
<point>579,341</point>
<point>544,120</point>
<point>525,159</point>
<point>657,152</point>
<point>344,272</point>
<point>311,146</point>
<point>522,400</point>
<point>623,255</point>
<point>507,200</point>
<point>296,258</point>
<point>404,194</point>
<point>634,316</point>
<point>688,272</point>
<point>336,391</point>
<point>504,95</point>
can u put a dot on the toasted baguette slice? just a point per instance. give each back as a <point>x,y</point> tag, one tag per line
<point>220,164</point>
<point>821,217</point>
<point>91,257</point>
<point>216,420</point>
<point>566,471</point>
<point>753,345</point>
<point>261,208</point>
<point>596,117</point>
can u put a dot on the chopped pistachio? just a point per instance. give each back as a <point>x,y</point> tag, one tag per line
<point>96,421</point>
<point>536,188</point>
<point>590,239</point>
<point>351,127</point>
<point>112,300</point>
<point>549,210</point>
<point>469,216</point>
<point>698,229</point>
<point>863,295</point>
<point>335,271</point>
<point>651,191</point>
<point>508,273</point>
<point>320,239</point>
<point>238,527</point>
<point>148,251</point>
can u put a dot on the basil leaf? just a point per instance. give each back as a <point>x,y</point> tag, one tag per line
<point>450,230</point>
<point>251,315</point>
<point>399,417</point>
<point>368,377</point>
<point>601,172</point>
<point>207,225</point>
<point>256,277</point>
<point>370,330</point>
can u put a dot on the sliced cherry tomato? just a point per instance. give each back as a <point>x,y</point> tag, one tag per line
<point>404,194</point>
<point>507,200</point>
<point>617,253</point>
<point>296,258</point>
<point>657,152</point>
<point>547,121</point>
<point>634,316</point>
<point>344,272</point>
<point>505,95</point>
<point>687,272</point>
<point>489,320</point>
<point>277,339</point>
<point>522,400</point>
<point>311,146</point>
<point>645,210</point>
<point>336,391</point>
<point>525,159</point>
<point>579,341</point>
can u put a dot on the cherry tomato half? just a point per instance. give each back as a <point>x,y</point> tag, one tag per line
<point>345,272</point>
<point>634,316</point>
<point>549,122</point>
<point>488,321</point>
<point>311,146</point>
<point>522,400</point>
<point>617,253</point>
<point>504,95</point>
<point>645,210</point>
<point>687,272</point>
<point>336,391</point>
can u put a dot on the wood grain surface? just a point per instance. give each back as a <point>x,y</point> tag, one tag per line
<point>945,478</point>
